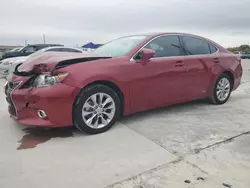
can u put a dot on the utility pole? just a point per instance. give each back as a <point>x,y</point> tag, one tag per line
<point>43,39</point>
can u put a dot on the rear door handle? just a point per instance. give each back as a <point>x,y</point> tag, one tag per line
<point>216,60</point>
<point>179,64</point>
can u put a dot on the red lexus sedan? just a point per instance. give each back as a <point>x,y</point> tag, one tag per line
<point>127,75</point>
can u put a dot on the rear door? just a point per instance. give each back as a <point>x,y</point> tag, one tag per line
<point>201,56</point>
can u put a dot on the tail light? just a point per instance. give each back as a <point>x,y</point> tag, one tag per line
<point>238,59</point>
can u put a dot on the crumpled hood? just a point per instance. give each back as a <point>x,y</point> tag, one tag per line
<point>51,59</point>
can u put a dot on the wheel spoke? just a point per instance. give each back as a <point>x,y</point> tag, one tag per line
<point>220,95</point>
<point>87,105</point>
<point>107,100</point>
<point>110,115</point>
<point>94,99</point>
<point>111,106</point>
<point>89,120</point>
<point>227,86</point>
<point>101,95</point>
<point>218,92</point>
<point>104,121</point>
<point>95,125</point>
<point>85,113</point>
<point>224,82</point>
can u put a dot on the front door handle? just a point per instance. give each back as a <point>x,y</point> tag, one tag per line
<point>216,60</point>
<point>179,64</point>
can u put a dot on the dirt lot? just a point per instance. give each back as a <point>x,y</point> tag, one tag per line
<point>189,145</point>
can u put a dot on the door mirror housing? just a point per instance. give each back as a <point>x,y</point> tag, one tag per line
<point>145,55</point>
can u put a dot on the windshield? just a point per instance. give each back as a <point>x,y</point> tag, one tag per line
<point>119,47</point>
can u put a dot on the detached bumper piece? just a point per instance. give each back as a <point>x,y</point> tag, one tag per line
<point>9,87</point>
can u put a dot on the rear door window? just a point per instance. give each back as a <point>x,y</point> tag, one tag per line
<point>196,46</point>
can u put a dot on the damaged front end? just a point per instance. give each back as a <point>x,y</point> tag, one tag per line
<point>31,100</point>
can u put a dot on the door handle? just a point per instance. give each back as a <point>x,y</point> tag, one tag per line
<point>179,64</point>
<point>216,60</point>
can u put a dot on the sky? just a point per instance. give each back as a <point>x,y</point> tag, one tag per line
<point>76,22</point>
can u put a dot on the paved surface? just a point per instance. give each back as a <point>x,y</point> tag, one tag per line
<point>189,145</point>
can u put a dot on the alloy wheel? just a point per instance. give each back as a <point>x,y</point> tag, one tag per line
<point>223,89</point>
<point>98,110</point>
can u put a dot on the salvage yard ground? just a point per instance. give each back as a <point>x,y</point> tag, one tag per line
<point>188,145</point>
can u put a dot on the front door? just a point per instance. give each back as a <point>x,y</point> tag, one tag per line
<point>161,81</point>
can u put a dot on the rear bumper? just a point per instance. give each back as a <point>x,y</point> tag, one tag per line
<point>56,101</point>
<point>237,76</point>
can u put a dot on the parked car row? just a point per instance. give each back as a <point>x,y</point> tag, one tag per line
<point>127,75</point>
<point>27,50</point>
<point>242,55</point>
<point>9,63</point>
<point>245,56</point>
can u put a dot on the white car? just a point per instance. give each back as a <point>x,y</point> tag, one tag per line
<point>10,63</point>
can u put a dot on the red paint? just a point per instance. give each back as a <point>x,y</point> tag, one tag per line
<point>144,86</point>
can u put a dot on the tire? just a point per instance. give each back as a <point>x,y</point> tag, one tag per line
<point>85,104</point>
<point>221,99</point>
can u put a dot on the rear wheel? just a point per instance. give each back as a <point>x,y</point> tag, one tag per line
<point>97,108</point>
<point>222,89</point>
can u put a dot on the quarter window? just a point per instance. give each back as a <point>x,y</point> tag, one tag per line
<point>196,46</point>
<point>213,49</point>
<point>166,46</point>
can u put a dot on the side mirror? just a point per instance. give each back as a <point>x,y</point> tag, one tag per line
<point>145,55</point>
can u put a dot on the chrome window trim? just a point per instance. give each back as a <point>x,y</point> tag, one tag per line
<point>132,58</point>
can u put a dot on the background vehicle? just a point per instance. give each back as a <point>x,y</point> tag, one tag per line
<point>124,76</point>
<point>7,66</point>
<point>245,56</point>
<point>15,49</point>
<point>27,50</point>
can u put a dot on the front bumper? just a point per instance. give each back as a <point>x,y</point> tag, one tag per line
<point>56,101</point>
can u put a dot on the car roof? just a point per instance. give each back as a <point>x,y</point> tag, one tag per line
<point>52,47</point>
<point>44,45</point>
<point>154,34</point>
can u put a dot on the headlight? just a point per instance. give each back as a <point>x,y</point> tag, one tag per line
<point>7,62</point>
<point>47,80</point>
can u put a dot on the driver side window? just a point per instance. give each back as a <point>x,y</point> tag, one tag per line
<point>166,46</point>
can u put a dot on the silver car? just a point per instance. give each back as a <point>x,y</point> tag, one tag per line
<point>7,66</point>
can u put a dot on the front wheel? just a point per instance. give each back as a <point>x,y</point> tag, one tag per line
<point>97,108</point>
<point>222,89</point>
